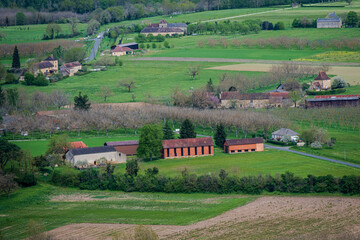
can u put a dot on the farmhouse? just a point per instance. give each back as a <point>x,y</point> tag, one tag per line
<point>164,28</point>
<point>94,156</point>
<point>244,145</point>
<point>331,21</point>
<point>126,147</point>
<point>344,101</point>
<point>253,100</point>
<point>283,133</point>
<point>189,147</point>
<point>120,51</point>
<point>321,82</point>
<point>79,144</point>
<point>69,69</point>
<point>48,66</point>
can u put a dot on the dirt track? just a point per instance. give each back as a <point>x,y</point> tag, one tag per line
<point>266,217</point>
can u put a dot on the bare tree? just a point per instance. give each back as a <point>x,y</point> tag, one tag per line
<point>192,71</point>
<point>105,92</point>
<point>127,83</point>
<point>73,24</point>
<point>59,98</point>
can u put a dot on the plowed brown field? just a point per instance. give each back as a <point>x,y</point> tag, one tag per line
<point>264,218</point>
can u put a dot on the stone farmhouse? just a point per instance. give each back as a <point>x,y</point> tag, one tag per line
<point>189,147</point>
<point>164,28</point>
<point>48,66</point>
<point>243,145</point>
<point>282,133</point>
<point>321,82</point>
<point>253,100</point>
<point>333,101</point>
<point>94,156</point>
<point>69,69</point>
<point>331,21</point>
<point>120,51</point>
<point>127,147</point>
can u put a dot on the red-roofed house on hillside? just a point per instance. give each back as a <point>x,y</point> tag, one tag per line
<point>69,69</point>
<point>78,144</point>
<point>244,145</point>
<point>120,51</point>
<point>321,82</point>
<point>188,147</point>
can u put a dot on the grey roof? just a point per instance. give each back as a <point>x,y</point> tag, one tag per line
<point>285,132</point>
<point>92,150</point>
<point>161,30</point>
<point>328,19</point>
<point>122,143</point>
<point>331,99</point>
<point>333,15</point>
<point>42,65</point>
<point>177,25</point>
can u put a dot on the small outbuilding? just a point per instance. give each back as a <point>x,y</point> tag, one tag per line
<point>283,133</point>
<point>188,147</point>
<point>120,51</point>
<point>127,147</point>
<point>244,145</point>
<point>69,69</point>
<point>94,156</point>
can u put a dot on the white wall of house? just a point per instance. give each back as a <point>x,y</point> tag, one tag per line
<point>112,157</point>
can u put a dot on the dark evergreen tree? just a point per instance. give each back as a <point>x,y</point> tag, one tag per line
<point>210,86</point>
<point>168,132</point>
<point>16,58</point>
<point>220,136</point>
<point>81,102</point>
<point>187,130</point>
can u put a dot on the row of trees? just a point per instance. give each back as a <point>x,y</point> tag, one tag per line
<point>283,42</point>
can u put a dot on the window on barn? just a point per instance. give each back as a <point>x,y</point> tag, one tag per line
<point>246,150</point>
<point>253,150</point>
<point>202,150</point>
<point>232,151</point>
<point>189,151</point>
<point>195,150</point>
<point>209,149</point>
<point>238,150</point>
<point>175,152</point>
<point>182,151</point>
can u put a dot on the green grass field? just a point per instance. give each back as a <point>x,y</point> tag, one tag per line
<point>34,203</point>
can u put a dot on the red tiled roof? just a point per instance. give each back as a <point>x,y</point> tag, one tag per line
<point>79,144</point>
<point>42,65</point>
<point>188,142</point>
<point>72,64</point>
<point>121,49</point>
<point>122,143</point>
<point>230,142</point>
<point>322,76</point>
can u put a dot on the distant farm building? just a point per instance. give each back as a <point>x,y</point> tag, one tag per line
<point>253,100</point>
<point>164,28</point>
<point>126,147</point>
<point>189,147</point>
<point>48,66</point>
<point>331,21</point>
<point>132,45</point>
<point>69,69</point>
<point>79,144</point>
<point>321,82</point>
<point>283,133</point>
<point>244,145</point>
<point>334,101</point>
<point>120,51</point>
<point>94,156</point>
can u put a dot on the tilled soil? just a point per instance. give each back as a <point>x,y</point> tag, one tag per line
<point>265,218</point>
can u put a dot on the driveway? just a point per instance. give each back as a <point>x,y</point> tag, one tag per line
<point>287,149</point>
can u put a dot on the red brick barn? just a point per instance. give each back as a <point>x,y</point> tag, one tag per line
<point>244,145</point>
<point>127,147</point>
<point>189,147</point>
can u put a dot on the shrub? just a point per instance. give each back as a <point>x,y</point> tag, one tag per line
<point>326,92</point>
<point>279,26</point>
<point>316,145</point>
<point>10,79</point>
<point>338,82</point>
<point>26,179</point>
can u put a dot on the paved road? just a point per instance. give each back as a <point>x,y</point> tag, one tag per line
<point>95,47</point>
<point>313,156</point>
<point>232,60</point>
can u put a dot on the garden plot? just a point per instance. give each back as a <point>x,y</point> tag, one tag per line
<point>350,74</point>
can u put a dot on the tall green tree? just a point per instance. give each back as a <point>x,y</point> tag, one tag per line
<point>168,132</point>
<point>8,152</point>
<point>210,86</point>
<point>15,58</point>
<point>74,54</point>
<point>220,136</point>
<point>187,129</point>
<point>150,142</point>
<point>352,19</point>
<point>20,18</point>
<point>59,144</point>
<point>81,102</point>
<point>52,29</point>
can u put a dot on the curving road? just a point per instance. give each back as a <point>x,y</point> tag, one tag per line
<point>286,149</point>
<point>95,47</point>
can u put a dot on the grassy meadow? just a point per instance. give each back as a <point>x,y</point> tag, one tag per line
<point>54,206</point>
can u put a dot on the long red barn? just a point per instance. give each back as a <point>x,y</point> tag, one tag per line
<point>189,147</point>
